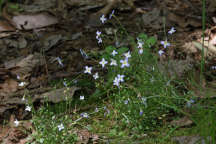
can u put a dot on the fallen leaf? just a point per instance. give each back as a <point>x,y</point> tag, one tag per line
<point>57,96</point>
<point>185,121</point>
<point>9,86</point>
<point>83,136</point>
<point>35,21</point>
<point>24,66</point>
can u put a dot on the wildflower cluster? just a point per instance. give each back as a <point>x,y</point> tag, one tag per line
<point>98,37</point>
<point>165,43</point>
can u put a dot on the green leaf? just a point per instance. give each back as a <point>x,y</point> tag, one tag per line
<point>106,56</point>
<point>122,50</point>
<point>151,41</point>
<point>143,36</point>
<point>109,49</point>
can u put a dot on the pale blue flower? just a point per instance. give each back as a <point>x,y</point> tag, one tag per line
<point>96,76</point>
<point>60,127</point>
<point>82,97</point>
<point>28,108</point>
<point>127,55</point>
<point>113,62</point>
<point>140,44</point>
<point>120,78</point>
<point>114,52</point>
<point>112,13</point>
<point>165,43</point>
<point>100,40</point>
<point>141,112</point>
<point>98,33</point>
<point>84,115</point>
<point>126,102</point>
<point>103,62</point>
<point>116,81</point>
<point>96,110</point>
<point>18,77</point>
<point>160,52</point>
<point>16,123</point>
<point>190,102</point>
<point>65,83</point>
<point>103,19</point>
<point>88,69</point>
<point>172,30</point>
<point>213,67</point>
<point>21,84</point>
<point>124,63</point>
<point>141,51</point>
<point>59,61</point>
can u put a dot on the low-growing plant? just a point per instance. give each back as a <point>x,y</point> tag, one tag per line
<point>127,77</point>
<point>141,94</point>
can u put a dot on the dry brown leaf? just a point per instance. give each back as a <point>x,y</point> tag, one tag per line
<point>24,66</point>
<point>185,121</point>
<point>35,21</point>
<point>189,47</point>
<point>56,96</point>
<point>83,136</point>
<point>8,86</point>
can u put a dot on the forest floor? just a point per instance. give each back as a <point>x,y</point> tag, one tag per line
<point>46,45</point>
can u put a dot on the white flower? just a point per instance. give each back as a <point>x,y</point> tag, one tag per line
<point>165,43</point>
<point>126,102</point>
<point>160,52</point>
<point>88,69</point>
<point>96,109</point>
<point>190,102</point>
<point>116,81</point>
<point>120,77</point>
<point>23,98</point>
<point>28,108</point>
<point>60,127</point>
<point>16,123</point>
<point>96,76</point>
<point>103,19</point>
<point>18,77</point>
<point>213,67</point>
<point>98,33</point>
<point>140,51</point>
<point>140,44</point>
<point>113,62</point>
<point>99,40</point>
<point>84,115</point>
<point>82,97</point>
<point>64,83</point>
<point>112,13</point>
<point>127,55</point>
<point>59,61</point>
<point>114,52</point>
<point>103,62</point>
<point>22,84</point>
<point>124,63</point>
<point>172,30</point>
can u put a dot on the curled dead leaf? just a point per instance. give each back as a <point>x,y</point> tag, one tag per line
<point>34,21</point>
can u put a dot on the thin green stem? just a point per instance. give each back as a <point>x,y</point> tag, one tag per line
<point>203,31</point>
